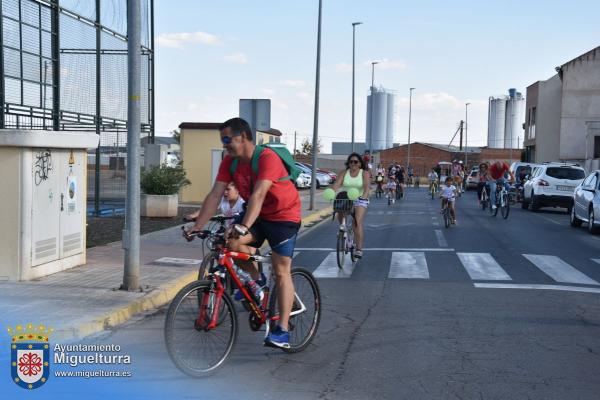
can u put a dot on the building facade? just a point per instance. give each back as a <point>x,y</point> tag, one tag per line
<point>542,120</point>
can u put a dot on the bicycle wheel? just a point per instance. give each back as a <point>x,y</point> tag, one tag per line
<point>341,249</point>
<point>447,218</point>
<point>350,245</point>
<point>432,192</point>
<point>306,310</point>
<point>194,349</point>
<point>494,211</point>
<point>504,210</point>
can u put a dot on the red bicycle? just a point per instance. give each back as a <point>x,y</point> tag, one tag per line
<point>201,324</point>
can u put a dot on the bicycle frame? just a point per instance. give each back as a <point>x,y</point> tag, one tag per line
<point>261,311</point>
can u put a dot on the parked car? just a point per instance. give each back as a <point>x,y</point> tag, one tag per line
<point>322,178</point>
<point>522,169</point>
<point>473,179</point>
<point>332,175</point>
<point>303,180</point>
<point>586,203</point>
<point>552,184</point>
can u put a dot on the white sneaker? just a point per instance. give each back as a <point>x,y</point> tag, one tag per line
<point>494,206</point>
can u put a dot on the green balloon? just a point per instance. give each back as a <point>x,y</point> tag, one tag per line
<point>329,194</point>
<point>353,194</point>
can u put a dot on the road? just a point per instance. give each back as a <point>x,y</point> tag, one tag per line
<point>469,312</point>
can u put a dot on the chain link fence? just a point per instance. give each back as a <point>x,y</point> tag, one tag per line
<point>64,67</point>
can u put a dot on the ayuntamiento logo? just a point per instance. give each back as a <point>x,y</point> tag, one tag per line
<point>30,355</point>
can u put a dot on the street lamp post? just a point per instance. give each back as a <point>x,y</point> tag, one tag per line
<point>313,184</point>
<point>373,63</point>
<point>409,121</point>
<point>466,130</point>
<point>353,68</point>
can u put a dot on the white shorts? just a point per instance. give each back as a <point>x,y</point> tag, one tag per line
<point>361,203</point>
<point>451,199</point>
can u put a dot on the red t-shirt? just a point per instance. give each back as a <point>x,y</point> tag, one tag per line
<point>282,202</point>
<point>497,173</point>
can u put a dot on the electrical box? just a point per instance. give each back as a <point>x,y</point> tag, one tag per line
<point>43,177</point>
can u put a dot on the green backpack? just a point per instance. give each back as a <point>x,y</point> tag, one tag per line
<point>283,153</point>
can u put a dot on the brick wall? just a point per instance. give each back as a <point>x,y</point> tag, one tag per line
<point>422,157</point>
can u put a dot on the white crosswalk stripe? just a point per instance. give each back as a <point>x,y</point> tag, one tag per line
<point>329,268</point>
<point>409,264</point>
<point>412,264</point>
<point>482,266</point>
<point>559,270</point>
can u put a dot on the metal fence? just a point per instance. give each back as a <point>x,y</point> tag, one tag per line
<point>64,67</point>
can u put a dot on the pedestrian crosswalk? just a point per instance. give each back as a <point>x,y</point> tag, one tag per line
<point>478,266</point>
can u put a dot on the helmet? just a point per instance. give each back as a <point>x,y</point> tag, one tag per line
<point>460,162</point>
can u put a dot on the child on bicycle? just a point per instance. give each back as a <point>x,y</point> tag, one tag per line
<point>379,181</point>
<point>448,197</point>
<point>391,188</point>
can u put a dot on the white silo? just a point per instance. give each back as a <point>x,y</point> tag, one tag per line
<point>378,119</point>
<point>389,141</point>
<point>515,116</point>
<point>496,122</point>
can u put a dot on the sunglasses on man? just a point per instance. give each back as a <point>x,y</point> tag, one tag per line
<point>227,139</point>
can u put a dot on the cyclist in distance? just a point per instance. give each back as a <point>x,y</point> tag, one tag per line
<point>448,195</point>
<point>483,172</point>
<point>356,176</point>
<point>433,178</point>
<point>273,212</point>
<point>495,176</point>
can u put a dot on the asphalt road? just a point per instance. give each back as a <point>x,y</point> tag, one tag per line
<point>419,316</point>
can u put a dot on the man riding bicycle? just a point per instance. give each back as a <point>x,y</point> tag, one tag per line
<point>433,178</point>
<point>495,175</point>
<point>273,213</point>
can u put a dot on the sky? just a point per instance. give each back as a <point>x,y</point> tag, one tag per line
<point>209,54</point>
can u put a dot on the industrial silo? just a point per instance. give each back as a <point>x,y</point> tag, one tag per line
<point>378,133</point>
<point>515,116</point>
<point>496,122</point>
<point>389,141</point>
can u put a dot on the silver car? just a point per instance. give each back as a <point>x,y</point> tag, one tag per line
<point>303,181</point>
<point>322,178</point>
<point>586,203</point>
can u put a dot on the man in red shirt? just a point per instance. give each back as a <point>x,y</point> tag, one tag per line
<point>273,212</point>
<point>495,175</point>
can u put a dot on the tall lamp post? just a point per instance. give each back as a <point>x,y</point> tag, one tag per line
<point>466,130</point>
<point>313,184</point>
<point>409,120</point>
<point>353,68</point>
<point>373,63</point>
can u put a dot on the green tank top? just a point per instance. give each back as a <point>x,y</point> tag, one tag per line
<point>356,182</point>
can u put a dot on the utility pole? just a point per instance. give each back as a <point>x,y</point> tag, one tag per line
<point>373,63</point>
<point>313,183</point>
<point>353,68</point>
<point>466,130</point>
<point>409,121</point>
<point>295,134</point>
<point>131,234</point>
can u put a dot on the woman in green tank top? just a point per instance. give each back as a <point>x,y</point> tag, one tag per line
<point>356,175</point>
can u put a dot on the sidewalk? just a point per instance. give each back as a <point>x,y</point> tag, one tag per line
<point>86,300</point>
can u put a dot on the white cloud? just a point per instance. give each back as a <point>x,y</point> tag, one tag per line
<point>180,39</point>
<point>268,92</point>
<point>387,64</point>
<point>343,67</point>
<point>293,83</point>
<point>236,58</point>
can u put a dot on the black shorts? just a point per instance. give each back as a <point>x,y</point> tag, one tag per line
<point>281,235</point>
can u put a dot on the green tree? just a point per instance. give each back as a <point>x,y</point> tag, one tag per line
<point>306,147</point>
<point>176,133</point>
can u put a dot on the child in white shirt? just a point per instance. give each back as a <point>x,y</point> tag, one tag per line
<point>448,196</point>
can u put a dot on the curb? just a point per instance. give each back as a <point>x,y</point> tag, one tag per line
<point>153,300</point>
<point>156,298</point>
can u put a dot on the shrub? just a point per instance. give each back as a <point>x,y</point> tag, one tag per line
<point>163,179</point>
